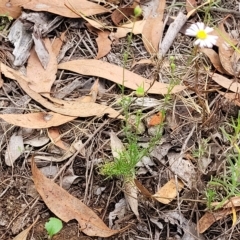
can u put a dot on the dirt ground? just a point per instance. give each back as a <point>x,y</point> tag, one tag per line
<point>192,118</point>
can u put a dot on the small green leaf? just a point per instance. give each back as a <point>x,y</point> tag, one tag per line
<point>53,226</point>
<point>140,91</point>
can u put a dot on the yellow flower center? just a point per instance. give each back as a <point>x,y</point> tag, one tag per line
<point>201,34</point>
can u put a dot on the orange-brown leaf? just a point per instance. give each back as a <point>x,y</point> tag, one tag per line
<point>156,119</point>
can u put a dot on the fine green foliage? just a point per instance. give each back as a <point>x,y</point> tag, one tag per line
<point>228,185</point>
<point>124,165</point>
<point>53,226</point>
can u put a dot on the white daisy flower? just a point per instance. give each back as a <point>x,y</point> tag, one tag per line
<point>200,31</point>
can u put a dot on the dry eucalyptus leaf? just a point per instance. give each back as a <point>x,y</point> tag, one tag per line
<point>14,149</point>
<point>9,9</point>
<point>232,202</point>
<point>37,141</point>
<point>40,159</point>
<point>66,207</point>
<point>226,51</point>
<point>104,43</point>
<point>23,235</point>
<point>214,58</point>
<point>92,96</point>
<point>49,171</point>
<point>40,48</point>
<point>211,217</point>
<point>232,97</point>
<point>114,73</point>
<point>69,108</point>
<point>190,5</point>
<point>36,120</point>
<point>58,7</point>
<point>152,34</point>
<point>69,178</point>
<point>78,145</point>
<point>169,191</point>
<point>226,83</point>
<point>121,13</point>
<point>41,79</point>
<point>182,168</point>
<point>57,43</point>
<point>55,137</point>
<point>119,211</point>
<point>127,28</point>
<point>131,196</point>
<point>116,145</point>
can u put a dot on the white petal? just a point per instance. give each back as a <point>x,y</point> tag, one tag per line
<point>194,27</point>
<point>197,42</point>
<point>208,29</point>
<point>202,44</point>
<point>209,44</point>
<point>200,25</point>
<point>190,32</point>
<point>212,39</point>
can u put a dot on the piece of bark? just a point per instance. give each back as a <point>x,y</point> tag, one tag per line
<point>171,34</point>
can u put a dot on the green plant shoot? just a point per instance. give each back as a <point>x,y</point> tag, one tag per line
<point>53,226</point>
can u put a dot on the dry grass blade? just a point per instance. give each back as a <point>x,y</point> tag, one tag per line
<point>67,207</point>
<point>115,73</point>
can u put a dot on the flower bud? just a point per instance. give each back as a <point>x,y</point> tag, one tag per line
<point>137,11</point>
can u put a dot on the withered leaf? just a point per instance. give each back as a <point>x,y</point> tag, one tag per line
<point>115,73</point>
<point>36,120</point>
<point>67,207</point>
<point>10,9</point>
<point>69,108</point>
<point>58,7</point>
